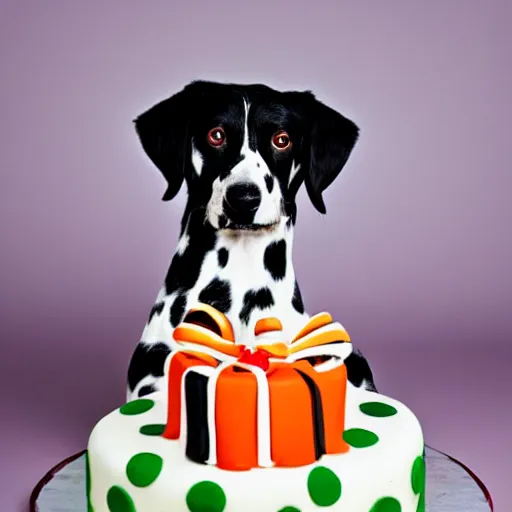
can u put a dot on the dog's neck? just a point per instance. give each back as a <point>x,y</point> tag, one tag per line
<point>246,274</point>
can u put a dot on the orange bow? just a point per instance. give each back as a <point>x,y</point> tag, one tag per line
<point>204,327</point>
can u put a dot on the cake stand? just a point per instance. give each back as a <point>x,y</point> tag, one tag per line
<point>451,487</point>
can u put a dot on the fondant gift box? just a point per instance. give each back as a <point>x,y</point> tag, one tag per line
<point>274,403</point>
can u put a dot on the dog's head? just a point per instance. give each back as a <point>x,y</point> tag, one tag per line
<point>244,150</point>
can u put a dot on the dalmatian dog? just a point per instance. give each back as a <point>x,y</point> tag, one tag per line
<point>243,152</point>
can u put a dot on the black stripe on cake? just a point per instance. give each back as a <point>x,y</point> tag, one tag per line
<point>198,439</point>
<point>318,414</point>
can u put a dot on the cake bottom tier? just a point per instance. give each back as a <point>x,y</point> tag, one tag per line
<point>131,468</point>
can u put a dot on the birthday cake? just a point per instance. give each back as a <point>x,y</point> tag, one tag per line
<point>269,426</point>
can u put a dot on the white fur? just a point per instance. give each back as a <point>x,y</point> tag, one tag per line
<point>293,172</point>
<point>197,160</point>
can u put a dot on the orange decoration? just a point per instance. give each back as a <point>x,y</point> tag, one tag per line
<point>236,420</point>
<point>322,338</point>
<point>315,322</point>
<point>267,325</point>
<point>278,350</point>
<point>332,386</point>
<point>306,407</point>
<point>202,336</point>
<point>180,363</point>
<point>220,319</point>
<point>291,419</point>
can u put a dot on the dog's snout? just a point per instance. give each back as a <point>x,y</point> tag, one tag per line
<point>241,201</point>
<point>243,197</point>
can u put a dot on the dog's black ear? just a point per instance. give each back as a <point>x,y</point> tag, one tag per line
<point>332,138</point>
<point>163,133</point>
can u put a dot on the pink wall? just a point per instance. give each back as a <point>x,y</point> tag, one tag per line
<point>414,255</point>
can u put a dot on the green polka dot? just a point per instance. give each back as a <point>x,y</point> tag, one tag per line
<point>143,469</point>
<point>206,496</point>
<point>152,430</point>
<point>289,509</point>
<point>88,482</point>
<point>386,505</point>
<point>418,475</point>
<point>377,409</point>
<point>421,503</point>
<point>136,407</point>
<point>118,500</point>
<point>324,487</point>
<point>360,438</point>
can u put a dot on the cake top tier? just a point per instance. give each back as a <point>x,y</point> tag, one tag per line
<point>262,403</point>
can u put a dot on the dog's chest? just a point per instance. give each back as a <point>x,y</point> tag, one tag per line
<point>245,277</point>
<point>259,280</point>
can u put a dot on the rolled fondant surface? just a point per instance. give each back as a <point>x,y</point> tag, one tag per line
<point>132,467</point>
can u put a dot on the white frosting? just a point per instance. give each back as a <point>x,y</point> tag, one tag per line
<point>263,415</point>
<point>212,396</point>
<point>366,474</point>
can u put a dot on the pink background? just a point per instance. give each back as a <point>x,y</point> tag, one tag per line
<point>414,255</point>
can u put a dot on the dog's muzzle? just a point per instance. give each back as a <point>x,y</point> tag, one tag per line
<point>240,204</point>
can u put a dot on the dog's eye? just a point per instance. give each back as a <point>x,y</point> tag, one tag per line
<point>281,141</point>
<point>216,137</point>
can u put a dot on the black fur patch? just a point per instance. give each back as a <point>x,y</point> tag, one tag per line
<point>185,268</point>
<point>358,370</point>
<point>156,310</point>
<point>217,294</point>
<point>177,310</point>
<point>269,181</point>
<point>275,259</point>
<point>222,257</point>
<point>146,390</point>
<point>223,221</point>
<point>297,299</point>
<point>147,359</point>
<point>255,299</point>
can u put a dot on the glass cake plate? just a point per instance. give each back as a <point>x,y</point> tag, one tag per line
<point>450,487</point>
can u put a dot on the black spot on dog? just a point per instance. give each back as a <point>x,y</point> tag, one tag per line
<point>217,294</point>
<point>177,310</point>
<point>185,268</point>
<point>147,359</point>
<point>222,257</point>
<point>297,299</point>
<point>289,222</point>
<point>358,371</point>
<point>146,390</point>
<point>223,221</point>
<point>274,259</point>
<point>225,172</point>
<point>156,310</point>
<point>255,299</point>
<point>257,164</point>
<point>269,181</point>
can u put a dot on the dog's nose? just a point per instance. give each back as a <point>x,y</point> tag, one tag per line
<point>243,197</point>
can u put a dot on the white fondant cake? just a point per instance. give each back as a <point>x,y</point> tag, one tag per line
<point>273,428</point>
<point>389,472</point>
